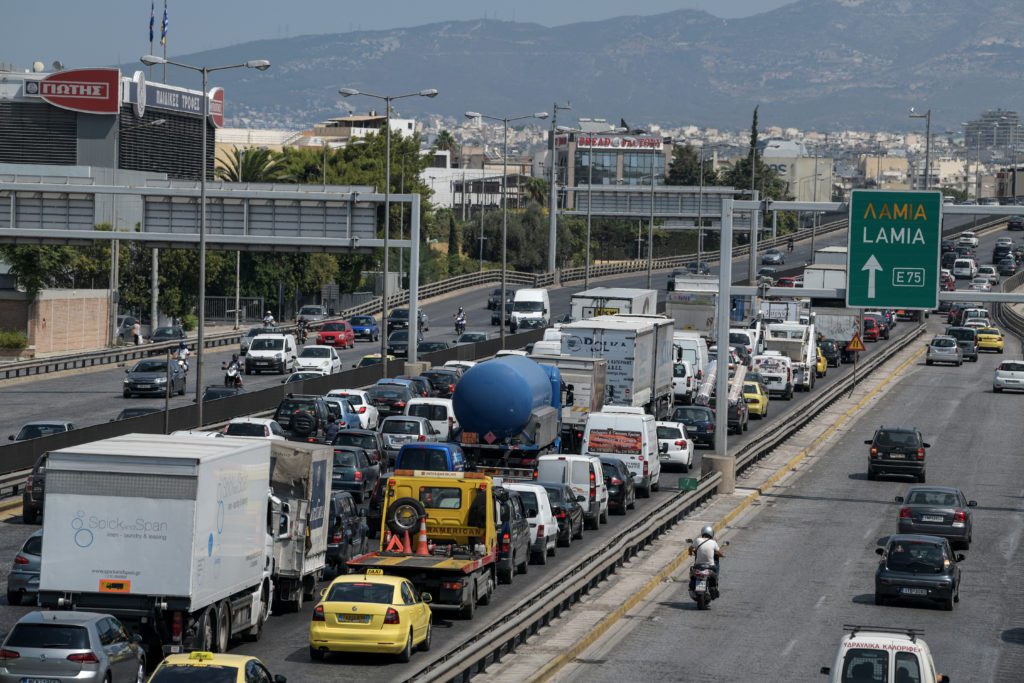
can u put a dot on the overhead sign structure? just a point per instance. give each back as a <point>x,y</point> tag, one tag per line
<point>91,91</point>
<point>893,249</point>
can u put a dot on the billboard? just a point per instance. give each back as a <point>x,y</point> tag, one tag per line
<point>90,91</point>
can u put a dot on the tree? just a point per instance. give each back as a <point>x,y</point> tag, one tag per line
<point>253,165</point>
<point>445,142</point>
<point>685,167</point>
<point>536,190</point>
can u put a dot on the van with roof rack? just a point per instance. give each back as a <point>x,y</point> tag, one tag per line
<point>882,653</point>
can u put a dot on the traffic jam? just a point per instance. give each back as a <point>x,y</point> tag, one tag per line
<point>427,494</point>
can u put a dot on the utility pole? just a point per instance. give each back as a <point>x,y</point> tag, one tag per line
<point>553,194</point>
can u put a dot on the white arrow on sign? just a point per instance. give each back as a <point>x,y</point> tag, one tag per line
<point>872,266</point>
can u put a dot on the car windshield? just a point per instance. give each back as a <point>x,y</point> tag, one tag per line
<point>370,360</point>
<point>865,665</point>
<point>165,332</point>
<point>150,366</point>
<point>555,494</point>
<point>314,352</point>
<point>428,347</point>
<point>400,427</point>
<point>290,406</point>
<point>400,313</point>
<point>390,394</point>
<point>187,673</point>
<point>944,342</point>
<point>332,327</point>
<point>429,411</point>
<point>213,393</point>
<point>355,440</point>
<point>473,337</point>
<point>688,415</point>
<point>937,498</point>
<point>266,344</point>
<point>679,370</point>
<point>530,502</point>
<point>310,310</point>
<point>361,320</point>
<point>669,433</point>
<point>362,591</point>
<point>344,459</point>
<point>399,335</point>
<point>354,399</point>
<point>254,331</point>
<point>962,333</point>
<point>749,388</point>
<point>430,459</point>
<point>528,306</point>
<point>38,430</point>
<point>49,637</point>
<point>896,439</point>
<point>915,556</point>
<point>990,331</point>
<point>245,429</point>
<point>1011,366</point>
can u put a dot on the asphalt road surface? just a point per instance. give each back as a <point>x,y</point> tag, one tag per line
<point>804,565</point>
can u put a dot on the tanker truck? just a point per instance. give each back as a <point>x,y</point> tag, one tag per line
<point>510,410</point>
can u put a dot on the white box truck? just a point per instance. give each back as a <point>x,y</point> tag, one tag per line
<point>830,256</point>
<point>799,343</point>
<point>825,277</point>
<point>692,304</point>
<point>585,379</point>
<point>632,348</point>
<point>612,301</point>
<point>169,534</point>
<point>300,480</point>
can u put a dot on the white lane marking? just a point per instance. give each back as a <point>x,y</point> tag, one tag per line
<point>869,533</point>
<point>820,602</point>
<point>786,650</point>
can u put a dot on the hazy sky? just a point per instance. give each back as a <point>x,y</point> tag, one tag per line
<point>99,32</point>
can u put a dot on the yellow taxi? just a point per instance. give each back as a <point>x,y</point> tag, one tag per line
<point>207,667</point>
<point>822,368</point>
<point>371,359</point>
<point>756,399</point>
<point>370,612</point>
<point>990,339</point>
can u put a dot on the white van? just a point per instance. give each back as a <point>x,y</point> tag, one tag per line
<point>543,523</point>
<point>546,347</point>
<point>585,476</point>
<point>437,411</point>
<point>887,654</point>
<point>964,269</point>
<point>630,435</point>
<point>748,337</point>
<point>692,347</point>
<point>531,304</point>
<point>777,372</point>
<point>277,352</point>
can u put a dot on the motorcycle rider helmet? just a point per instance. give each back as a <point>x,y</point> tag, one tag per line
<point>460,309</point>
<point>182,345</point>
<point>708,531</point>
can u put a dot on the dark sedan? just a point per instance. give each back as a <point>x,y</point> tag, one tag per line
<point>346,531</point>
<point>354,472</point>
<point>150,378</point>
<point>1007,266</point>
<point>918,568</point>
<point>621,488</point>
<point>832,351</point>
<point>167,334</point>
<point>443,380</point>
<point>389,399</point>
<point>473,337</point>
<point>369,440</point>
<point>773,257</point>
<point>699,421</point>
<point>216,391</point>
<point>496,314</point>
<point>398,343</point>
<point>567,510</point>
<point>399,320</point>
<point>431,347</point>
<point>423,386</point>
<point>938,511</point>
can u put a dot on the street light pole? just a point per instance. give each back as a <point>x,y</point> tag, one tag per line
<point>700,211</point>
<point>553,194</point>
<point>927,116</point>
<point>650,228</point>
<point>414,326</point>
<point>504,206</point>
<point>260,65</point>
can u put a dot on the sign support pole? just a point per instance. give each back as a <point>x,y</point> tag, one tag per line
<point>722,331</point>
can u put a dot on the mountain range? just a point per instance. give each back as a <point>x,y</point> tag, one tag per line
<point>813,64</point>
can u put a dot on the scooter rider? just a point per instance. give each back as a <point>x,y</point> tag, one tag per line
<point>183,354</point>
<point>268,319</point>
<point>705,550</point>
<point>233,363</point>
<point>460,318</point>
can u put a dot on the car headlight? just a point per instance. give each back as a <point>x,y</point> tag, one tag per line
<point>279,356</point>
<point>127,380</point>
<point>160,380</point>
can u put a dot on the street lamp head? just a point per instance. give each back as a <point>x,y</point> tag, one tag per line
<point>152,60</point>
<point>472,114</point>
<point>348,92</point>
<point>158,122</point>
<point>258,64</point>
<point>540,115</point>
<point>565,129</point>
<point>429,92</point>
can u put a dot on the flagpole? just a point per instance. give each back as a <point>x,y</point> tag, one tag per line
<point>163,41</point>
<point>152,22</point>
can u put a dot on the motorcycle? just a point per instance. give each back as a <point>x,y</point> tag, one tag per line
<point>183,364</point>
<point>302,332</point>
<point>232,376</point>
<point>704,582</point>
<point>460,325</point>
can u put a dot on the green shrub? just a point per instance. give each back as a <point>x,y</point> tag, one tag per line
<point>13,340</point>
<point>189,322</point>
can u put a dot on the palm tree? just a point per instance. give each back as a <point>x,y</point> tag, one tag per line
<point>446,142</point>
<point>254,165</point>
<point>536,190</point>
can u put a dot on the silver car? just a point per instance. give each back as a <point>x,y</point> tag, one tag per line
<point>942,349</point>
<point>71,646</point>
<point>23,581</point>
<point>401,429</point>
<point>938,511</point>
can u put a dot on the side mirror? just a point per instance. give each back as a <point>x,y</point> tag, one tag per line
<point>580,499</point>
<point>927,445</point>
<point>960,557</point>
<point>826,670</point>
<point>323,592</point>
<point>879,551</point>
<point>867,441</point>
<point>972,503</point>
<point>898,499</point>
<point>10,437</point>
<point>280,679</point>
<point>663,448</point>
<point>426,597</point>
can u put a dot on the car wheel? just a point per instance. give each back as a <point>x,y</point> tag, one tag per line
<point>921,478</point>
<point>947,604</point>
<point>579,534</point>
<point>13,598</point>
<point>315,654</point>
<point>126,394</point>
<point>505,574</point>
<point>879,599</point>
<point>746,426</point>
<point>540,557</point>
<point>603,517</point>
<point>872,476</point>
<point>406,654</point>
<point>425,645</point>
<point>29,515</point>
<point>927,362</point>
<point>996,390</point>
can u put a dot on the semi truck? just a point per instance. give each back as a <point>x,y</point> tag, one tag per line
<point>799,343</point>
<point>612,301</point>
<point>583,381</point>
<point>838,324</point>
<point>692,304</point>
<point>169,534</point>
<point>510,411</point>
<point>300,482</point>
<point>639,353</point>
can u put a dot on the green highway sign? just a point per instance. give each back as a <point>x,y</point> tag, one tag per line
<point>892,256</point>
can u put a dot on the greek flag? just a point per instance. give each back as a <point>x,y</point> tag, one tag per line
<point>163,28</point>
<point>152,21</point>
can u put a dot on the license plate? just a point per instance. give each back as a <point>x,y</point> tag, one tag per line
<point>143,386</point>
<point>354,618</point>
<point>897,456</point>
<point>262,362</point>
<point>40,680</point>
<point>702,585</point>
<point>931,518</point>
<point>913,591</point>
<point>663,456</point>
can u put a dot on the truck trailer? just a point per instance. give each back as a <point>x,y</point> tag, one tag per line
<point>612,301</point>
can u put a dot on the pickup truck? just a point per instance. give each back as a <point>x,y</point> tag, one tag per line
<point>440,530</point>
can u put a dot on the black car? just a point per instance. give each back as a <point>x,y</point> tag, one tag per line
<point>151,378</point>
<point>494,297</point>
<point>832,351</point>
<point>443,380</point>
<point>398,343</point>
<point>375,506</point>
<point>567,510</point>
<point>896,450</point>
<point>496,314</point>
<point>431,347</point>
<point>389,399</point>
<point>514,542</point>
<point>739,417</point>
<point>346,531</point>
<point>701,268</point>
<point>1007,266</point>
<point>472,337</point>
<point>918,568</point>
<point>370,440</point>
<point>426,389</point>
<point>699,421</point>
<point>1001,251</point>
<point>162,335</point>
<point>303,416</point>
<point>354,471</point>
<point>621,488</point>
<point>948,259</point>
<point>219,391</point>
<point>1015,223</point>
<point>948,246</point>
<point>398,319</point>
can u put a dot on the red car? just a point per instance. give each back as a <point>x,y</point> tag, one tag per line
<point>338,334</point>
<point>786,282</point>
<point>870,329</point>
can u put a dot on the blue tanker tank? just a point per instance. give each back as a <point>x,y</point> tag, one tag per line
<point>498,396</point>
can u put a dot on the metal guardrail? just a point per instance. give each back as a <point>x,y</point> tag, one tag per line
<point>1011,320</point>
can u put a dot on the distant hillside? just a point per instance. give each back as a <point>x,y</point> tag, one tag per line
<point>823,64</point>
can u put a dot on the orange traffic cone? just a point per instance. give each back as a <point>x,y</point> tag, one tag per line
<point>407,544</point>
<point>422,548</point>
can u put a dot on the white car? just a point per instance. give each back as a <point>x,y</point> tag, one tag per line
<point>1004,242</point>
<point>463,365</point>
<point>319,359</point>
<point>990,272</point>
<point>968,238</point>
<point>680,446</point>
<point>369,416</point>
<point>976,323</point>
<point>980,284</point>
<point>684,382</point>
<point>255,427</point>
<point>1009,375</point>
<point>543,523</point>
